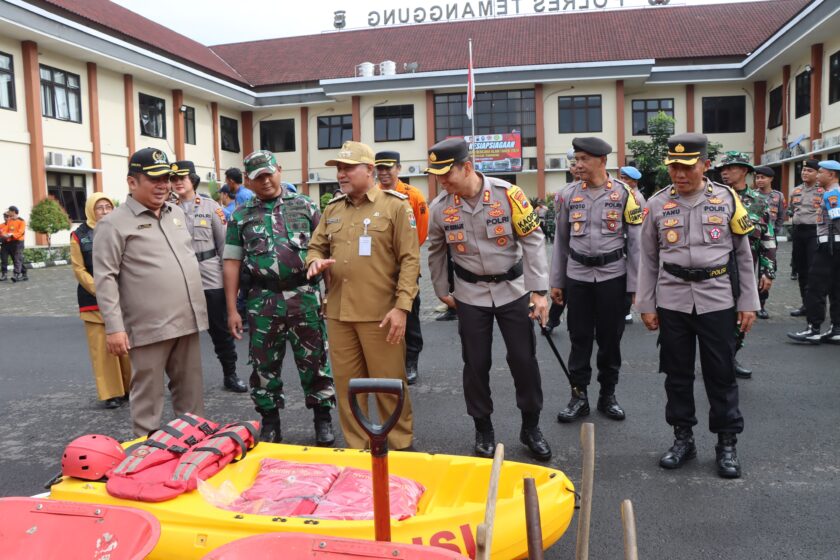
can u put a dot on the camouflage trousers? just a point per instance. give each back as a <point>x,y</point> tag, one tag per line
<point>274,318</point>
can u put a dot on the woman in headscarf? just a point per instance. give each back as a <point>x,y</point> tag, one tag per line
<point>111,373</point>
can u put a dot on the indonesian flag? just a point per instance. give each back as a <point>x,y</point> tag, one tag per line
<point>470,86</point>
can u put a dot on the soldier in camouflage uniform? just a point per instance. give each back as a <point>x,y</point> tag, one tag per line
<point>777,207</point>
<point>734,169</point>
<point>270,235</point>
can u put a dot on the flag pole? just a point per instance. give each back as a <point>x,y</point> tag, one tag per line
<point>471,103</point>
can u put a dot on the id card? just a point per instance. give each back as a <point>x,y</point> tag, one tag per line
<point>364,246</point>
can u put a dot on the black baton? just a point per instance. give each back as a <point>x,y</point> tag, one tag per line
<point>547,336</point>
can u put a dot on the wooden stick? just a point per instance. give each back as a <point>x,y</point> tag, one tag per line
<point>587,441</point>
<point>628,521</point>
<point>484,533</point>
<point>532,521</point>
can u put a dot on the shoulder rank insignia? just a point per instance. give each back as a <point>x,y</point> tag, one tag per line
<point>336,198</point>
<point>397,194</point>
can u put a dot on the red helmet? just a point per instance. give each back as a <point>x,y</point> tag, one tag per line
<point>90,457</point>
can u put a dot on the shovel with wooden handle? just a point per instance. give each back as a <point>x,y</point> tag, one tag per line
<point>628,521</point>
<point>587,441</point>
<point>484,532</point>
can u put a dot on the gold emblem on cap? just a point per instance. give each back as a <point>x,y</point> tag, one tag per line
<point>432,157</point>
<point>157,156</point>
<point>679,148</point>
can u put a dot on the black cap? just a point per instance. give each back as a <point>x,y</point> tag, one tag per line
<point>592,146</point>
<point>764,170</point>
<point>687,148</point>
<point>812,164</point>
<point>183,168</point>
<point>149,161</point>
<point>388,159</point>
<point>446,152</point>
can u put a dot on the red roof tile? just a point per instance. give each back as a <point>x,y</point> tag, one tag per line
<point>674,32</point>
<point>126,24</point>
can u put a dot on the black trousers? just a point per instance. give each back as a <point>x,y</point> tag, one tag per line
<point>413,334</point>
<point>475,326</point>
<point>13,250</point>
<point>218,328</point>
<point>596,313</point>
<point>679,334</point>
<point>804,247</point>
<point>824,280</point>
<point>555,312</point>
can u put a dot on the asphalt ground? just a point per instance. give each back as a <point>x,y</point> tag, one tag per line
<point>786,505</point>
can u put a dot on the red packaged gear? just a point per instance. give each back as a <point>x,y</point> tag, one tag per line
<point>351,497</point>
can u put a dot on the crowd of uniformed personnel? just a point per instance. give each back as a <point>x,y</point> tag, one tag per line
<point>697,259</point>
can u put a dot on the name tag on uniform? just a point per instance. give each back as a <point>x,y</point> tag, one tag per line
<point>144,226</point>
<point>364,246</point>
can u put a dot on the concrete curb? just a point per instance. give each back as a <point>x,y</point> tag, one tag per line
<point>46,264</point>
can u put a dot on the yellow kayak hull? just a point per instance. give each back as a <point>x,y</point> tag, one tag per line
<point>448,513</point>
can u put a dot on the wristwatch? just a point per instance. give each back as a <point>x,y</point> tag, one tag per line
<point>540,292</point>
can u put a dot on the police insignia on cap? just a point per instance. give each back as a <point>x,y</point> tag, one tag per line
<point>432,157</point>
<point>679,148</point>
<point>158,157</point>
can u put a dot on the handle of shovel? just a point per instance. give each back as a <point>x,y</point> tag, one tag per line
<point>378,433</point>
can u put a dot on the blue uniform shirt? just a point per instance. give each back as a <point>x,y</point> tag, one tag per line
<point>243,194</point>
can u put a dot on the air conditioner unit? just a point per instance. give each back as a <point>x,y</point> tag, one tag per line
<point>55,158</point>
<point>76,161</point>
<point>555,163</point>
<point>415,169</point>
<point>314,176</point>
<point>817,144</point>
<point>211,175</point>
<point>784,154</point>
<point>831,141</point>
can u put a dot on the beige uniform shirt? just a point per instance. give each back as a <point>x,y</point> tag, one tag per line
<point>366,288</point>
<point>805,204</point>
<point>698,236</point>
<point>147,279</point>
<point>482,239</point>
<point>594,222</point>
<point>206,224</point>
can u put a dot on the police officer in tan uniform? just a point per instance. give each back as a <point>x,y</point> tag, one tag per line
<point>498,252</point>
<point>593,268</point>
<point>696,281</point>
<point>206,224</point>
<point>805,202</point>
<point>149,291</point>
<point>367,239</point>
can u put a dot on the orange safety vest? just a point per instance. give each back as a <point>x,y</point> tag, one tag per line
<point>418,204</point>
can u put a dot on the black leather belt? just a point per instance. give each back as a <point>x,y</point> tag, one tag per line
<point>598,260</point>
<point>695,274</point>
<point>204,255</point>
<point>277,286</point>
<point>467,276</point>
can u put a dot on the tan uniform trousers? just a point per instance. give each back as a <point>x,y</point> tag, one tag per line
<point>112,374</point>
<point>180,359</point>
<point>360,350</point>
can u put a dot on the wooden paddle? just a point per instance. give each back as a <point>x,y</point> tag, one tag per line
<point>587,441</point>
<point>533,527</point>
<point>378,434</point>
<point>628,521</point>
<point>484,531</point>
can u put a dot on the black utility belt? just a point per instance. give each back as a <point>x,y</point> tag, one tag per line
<point>695,274</point>
<point>467,276</point>
<point>204,255</point>
<point>277,286</point>
<point>597,260</point>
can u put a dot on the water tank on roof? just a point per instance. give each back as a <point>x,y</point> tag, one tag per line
<point>387,68</point>
<point>365,69</point>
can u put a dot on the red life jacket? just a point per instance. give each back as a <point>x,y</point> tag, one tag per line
<point>173,459</point>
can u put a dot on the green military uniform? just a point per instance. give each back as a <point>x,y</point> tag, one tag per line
<point>271,237</point>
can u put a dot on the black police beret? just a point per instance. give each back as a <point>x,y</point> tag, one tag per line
<point>764,170</point>
<point>592,146</point>
<point>812,164</point>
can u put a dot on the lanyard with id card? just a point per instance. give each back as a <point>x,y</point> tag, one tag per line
<point>364,240</point>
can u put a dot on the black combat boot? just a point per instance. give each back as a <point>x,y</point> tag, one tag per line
<point>742,372</point>
<point>578,407</point>
<point>682,450</point>
<point>324,436</point>
<point>609,407</point>
<point>727,457</point>
<point>270,431</point>
<point>800,312</point>
<point>485,438</point>
<point>531,436</point>
<point>411,372</point>
<point>3,277</point>
<point>232,382</point>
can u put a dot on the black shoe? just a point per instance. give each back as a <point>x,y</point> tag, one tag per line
<point>3,278</point>
<point>324,435</point>
<point>610,407</point>
<point>762,314</point>
<point>15,278</point>
<point>551,325</point>
<point>115,402</point>
<point>831,336</point>
<point>727,457</point>
<point>794,276</point>
<point>448,315</point>
<point>578,407</point>
<point>24,278</point>
<point>270,431</point>
<point>741,372</point>
<point>533,439</point>
<point>485,443</point>
<point>798,312</point>
<point>682,450</point>
<point>811,334</point>
<point>411,372</point>
<point>234,384</point>
<point>628,319</point>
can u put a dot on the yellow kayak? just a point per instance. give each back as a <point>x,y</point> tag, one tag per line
<point>448,513</point>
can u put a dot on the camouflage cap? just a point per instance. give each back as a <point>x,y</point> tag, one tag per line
<point>353,153</point>
<point>259,162</point>
<point>736,158</point>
